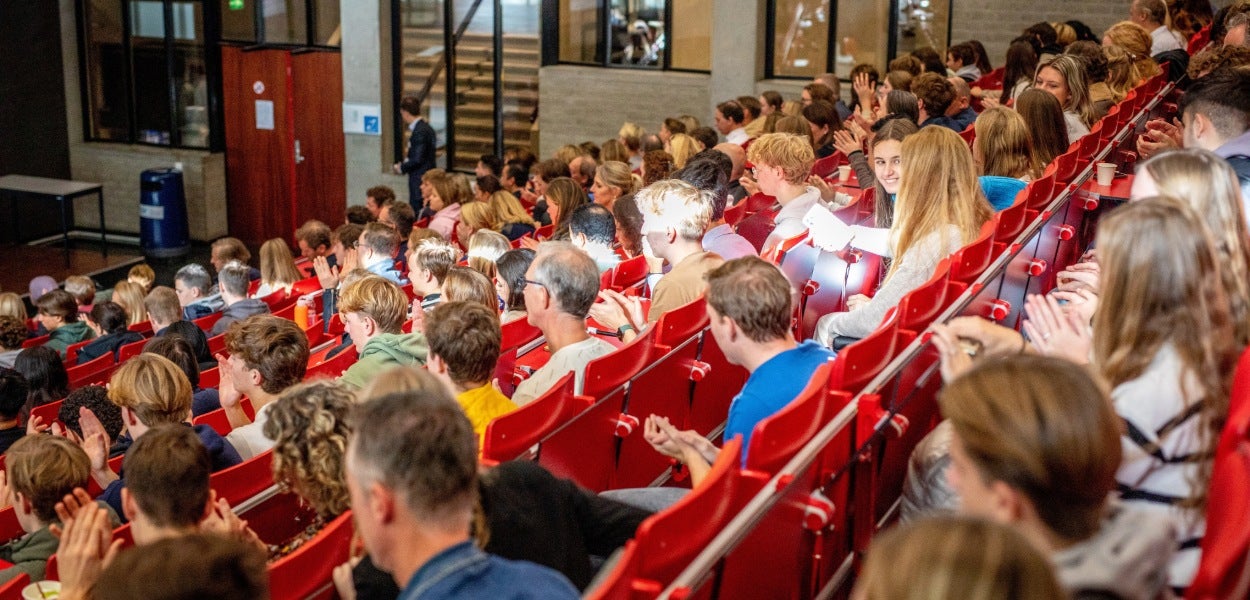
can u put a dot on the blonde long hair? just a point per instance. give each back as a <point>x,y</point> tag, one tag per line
<point>509,210</point>
<point>277,265</point>
<point>939,188</point>
<point>129,295</point>
<point>1161,285</point>
<point>682,147</point>
<point>1128,58</point>
<point>1003,146</point>
<point>955,558</point>
<point>1209,186</point>
<point>1073,72</point>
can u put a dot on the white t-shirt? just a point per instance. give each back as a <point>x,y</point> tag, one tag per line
<point>569,358</point>
<point>1163,39</point>
<point>249,440</point>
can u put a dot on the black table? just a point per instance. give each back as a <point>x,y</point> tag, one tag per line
<point>61,190</point>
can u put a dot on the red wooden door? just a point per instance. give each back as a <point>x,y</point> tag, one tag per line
<point>320,166</point>
<point>284,140</point>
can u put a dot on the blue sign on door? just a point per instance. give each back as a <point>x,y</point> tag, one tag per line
<point>372,125</point>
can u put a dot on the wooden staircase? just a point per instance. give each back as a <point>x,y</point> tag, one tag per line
<point>474,126</point>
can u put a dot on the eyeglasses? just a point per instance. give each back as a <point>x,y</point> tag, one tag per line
<point>527,282</point>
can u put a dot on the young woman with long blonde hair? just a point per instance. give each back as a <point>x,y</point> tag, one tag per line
<point>277,268</point>
<point>1003,153</point>
<point>511,217</point>
<point>939,209</point>
<point>1064,78</point>
<point>1127,48</point>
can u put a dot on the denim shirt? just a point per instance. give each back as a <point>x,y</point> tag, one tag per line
<point>465,571</point>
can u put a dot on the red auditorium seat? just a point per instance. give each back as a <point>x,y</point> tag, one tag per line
<point>306,573</point>
<point>210,378</point>
<point>334,367</point>
<point>827,166</point>
<point>130,350</point>
<point>631,272</point>
<point>858,363</point>
<point>759,202</point>
<point>609,371</point>
<point>71,352</point>
<point>206,322</point>
<point>143,328</point>
<point>681,323</point>
<point>215,419</point>
<point>919,307</point>
<point>1040,193</point>
<point>1013,220</point>
<point>756,227</point>
<point>511,435</point>
<point>36,341</point>
<point>96,370</point>
<point>837,276</point>
<point>518,332</point>
<point>670,539</point>
<point>735,213</point>
<point>1225,568</point>
<point>47,412</point>
<point>306,286</point>
<point>971,261</point>
<point>244,480</point>
<point>778,438</point>
<point>12,589</point>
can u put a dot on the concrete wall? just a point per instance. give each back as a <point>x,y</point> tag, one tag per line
<point>366,57</point>
<point>117,166</point>
<point>590,103</point>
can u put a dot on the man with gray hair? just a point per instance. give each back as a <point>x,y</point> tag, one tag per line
<point>193,286</point>
<point>1152,15</point>
<point>233,281</point>
<point>560,287</point>
<point>674,219</point>
<point>412,478</point>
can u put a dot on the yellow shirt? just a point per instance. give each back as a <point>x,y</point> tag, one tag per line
<point>482,405</point>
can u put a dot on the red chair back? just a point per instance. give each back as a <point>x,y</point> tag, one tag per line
<point>609,371</point>
<point>210,378</point>
<point>1225,568</point>
<point>917,309</point>
<point>1013,219</point>
<point>36,341</point>
<point>12,589</point>
<point>71,353</point>
<point>779,437</point>
<point>758,201</point>
<point>143,327</point>
<point>47,412</point>
<point>91,372</point>
<point>968,134</point>
<point>216,419</point>
<point>307,572</point>
<point>679,324</point>
<point>756,228</point>
<point>130,350</point>
<point>630,272</point>
<point>970,261</point>
<point>244,480</point>
<point>206,322</point>
<point>735,213</point>
<point>305,286</point>
<point>334,367</point>
<point>828,165</point>
<point>510,435</point>
<point>858,363</point>
<point>518,332</point>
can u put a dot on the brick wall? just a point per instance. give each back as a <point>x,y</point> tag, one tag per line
<point>590,103</point>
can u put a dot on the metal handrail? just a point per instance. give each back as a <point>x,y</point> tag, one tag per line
<point>455,41</point>
<point>754,512</point>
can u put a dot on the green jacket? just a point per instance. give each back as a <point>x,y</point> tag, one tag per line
<point>68,334</point>
<point>29,553</point>
<point>384,351</point>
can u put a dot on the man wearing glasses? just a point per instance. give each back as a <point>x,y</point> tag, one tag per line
<point>560,286</point>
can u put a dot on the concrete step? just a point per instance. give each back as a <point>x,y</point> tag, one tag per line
<point>425,36</point>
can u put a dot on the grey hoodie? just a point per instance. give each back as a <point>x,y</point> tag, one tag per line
<point>237,312</point>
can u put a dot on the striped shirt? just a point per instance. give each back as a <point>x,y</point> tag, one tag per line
<point>1163,452</point>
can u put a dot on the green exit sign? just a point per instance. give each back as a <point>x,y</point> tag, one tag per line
<point>236,4</point>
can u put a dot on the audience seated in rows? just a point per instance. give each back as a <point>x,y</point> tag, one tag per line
<point>782,165</point>
<point>593,230</point>
<point>277,269</point>
<point>510,282</point>
<point>181,352</point>
<point>46,378</point>
<point>464,340</point>
<point>377,248</point>
<point>195,291</point>
<point>428,266</point>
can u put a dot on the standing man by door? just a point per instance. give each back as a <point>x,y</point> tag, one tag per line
<point>421,146</point>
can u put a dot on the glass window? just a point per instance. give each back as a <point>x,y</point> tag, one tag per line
<point>923,23</point>
<point>579,31</point>
<point>326,17</point>
<point>286,21</point>
<point>861,27</point>
<point>636,33</point>
<point>159,93</point>
<point>238,20</point>
<point>800,38</point>
<point>692,35</point>
<point>108,114</point>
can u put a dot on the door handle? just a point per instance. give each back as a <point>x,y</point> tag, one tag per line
<point>299,158</point>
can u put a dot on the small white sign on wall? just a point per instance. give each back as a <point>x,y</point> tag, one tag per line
<point>364,119</point>
<point>264,114</point>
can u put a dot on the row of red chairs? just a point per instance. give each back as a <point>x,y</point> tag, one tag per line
<point>803,530</point>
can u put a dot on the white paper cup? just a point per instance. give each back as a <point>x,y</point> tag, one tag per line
<point>844,173</point>
<point>1106,173</point>
<point>51,589</point>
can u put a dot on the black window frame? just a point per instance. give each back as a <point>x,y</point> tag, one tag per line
<point>258,18</point>
<point>550,30</point>
<point>212,69</point>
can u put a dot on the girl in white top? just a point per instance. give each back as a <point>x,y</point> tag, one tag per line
<point>939,209</point>
<point>1064,77</point>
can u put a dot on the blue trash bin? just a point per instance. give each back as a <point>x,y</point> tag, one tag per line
<point>163,230</point>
